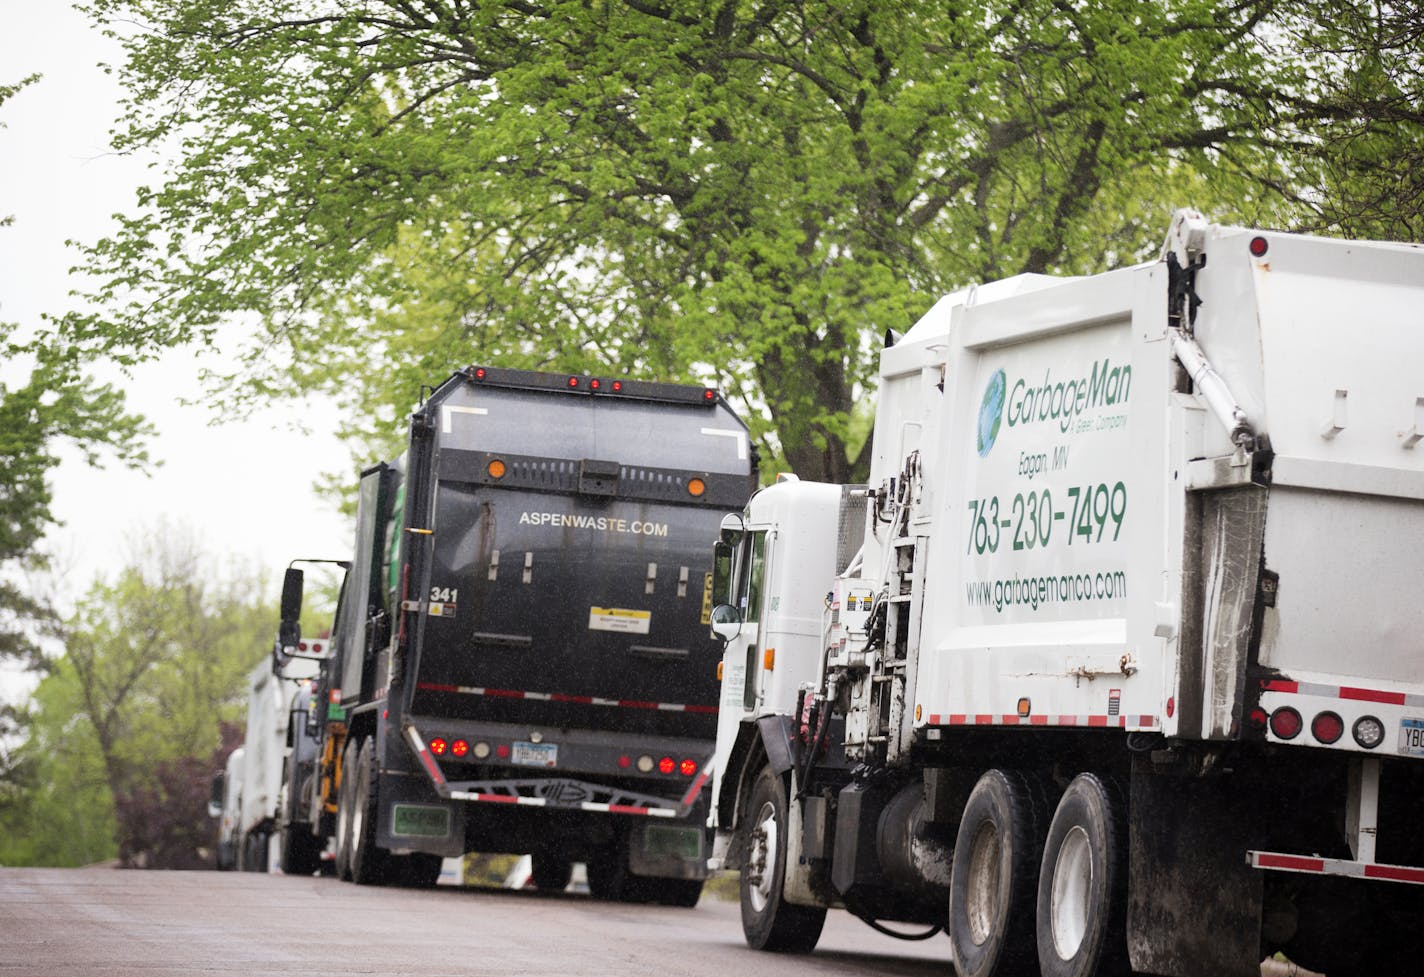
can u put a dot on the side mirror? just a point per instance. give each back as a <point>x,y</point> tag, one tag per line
<point>289,631</point>
<point>732,528</point>
<point>726,622</point>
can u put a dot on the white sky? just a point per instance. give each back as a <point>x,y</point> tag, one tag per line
<point>243,488</point>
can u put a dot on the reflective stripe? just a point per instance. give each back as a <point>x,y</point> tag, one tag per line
<point>1335,866</point>
<point>583,700</point>
<point>1342,692</point>
<point>1008,719</point>
<point>482,798</point>
<point>431,767</point>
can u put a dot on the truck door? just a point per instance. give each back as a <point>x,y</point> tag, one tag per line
<point>741,582</point>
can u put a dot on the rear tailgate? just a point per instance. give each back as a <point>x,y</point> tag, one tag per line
<point>568,583</point>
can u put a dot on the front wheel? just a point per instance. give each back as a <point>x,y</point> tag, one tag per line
<point>1082,891</point>
<point>769,922</point>
<point>993,875</point>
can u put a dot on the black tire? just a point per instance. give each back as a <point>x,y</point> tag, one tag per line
<point>550,873</point>
<point>417,871</point>
<point>769,922</point>
<point>254,852</point>
<point>679,893</point>
<point>994,875</point>
<point>343,810</point>
<point>1082,883</point>
<point>301,850</point>
<point>608,877</point>
<point>368,862</point>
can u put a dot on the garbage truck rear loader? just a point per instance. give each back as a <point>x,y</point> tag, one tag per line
<point>522,662</point>
<point>1126,670</point>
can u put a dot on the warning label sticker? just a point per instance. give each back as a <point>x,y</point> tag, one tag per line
<point>619,619</point>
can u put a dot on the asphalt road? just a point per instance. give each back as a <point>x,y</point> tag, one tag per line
<point>99,922</point>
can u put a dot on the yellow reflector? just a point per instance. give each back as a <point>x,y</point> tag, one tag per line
<point>1024,706</point>
<point>768,659</point>
<point>495,468</point>
<point>696,487</point>
<point>719,670</point>
<point>919,711</point>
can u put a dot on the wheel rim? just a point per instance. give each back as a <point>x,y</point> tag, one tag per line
<point>1072,882</point>
<point>358,817</point>
<point>761,859</point>
<point>343,829</point>
<point>982,893</point>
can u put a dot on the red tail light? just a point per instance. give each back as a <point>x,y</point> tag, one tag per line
<point>625,762</point>
<point>438,746</point>
<point>687,768</point>
<point>1327,727</point>
<point>502,751</point>
<point>666,765</point>
<point>1286,723</point>
<point>460,748</point>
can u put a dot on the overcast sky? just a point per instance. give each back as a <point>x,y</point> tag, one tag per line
<point>244,488</point>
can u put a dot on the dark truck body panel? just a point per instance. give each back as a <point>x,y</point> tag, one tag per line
<point>550,611</point>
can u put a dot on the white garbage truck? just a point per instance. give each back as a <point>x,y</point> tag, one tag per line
<point>247,795</point>
<point>1117,660</point>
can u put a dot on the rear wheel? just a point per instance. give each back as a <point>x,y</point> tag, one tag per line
<point>769,922</point>
<point>682,893</point>
<point>417,871</point>
<point>608,876</point>
<point>550,873</point>
<point>994,873</point>
<point>343,809</point>
<point>301,850</point>
<point>368,862</point>
<point>1082,884</point>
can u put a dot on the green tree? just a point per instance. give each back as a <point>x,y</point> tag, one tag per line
<point>1362,138</point>
<point>55,404</point>
<point>749,192</point>
<point>130,717</point>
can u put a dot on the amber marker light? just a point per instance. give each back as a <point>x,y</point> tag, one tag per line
<point>1024,707</point>
<point>495,468</point>
<point>719,670</point>
<point>696,487</point>
<point>768,659</point>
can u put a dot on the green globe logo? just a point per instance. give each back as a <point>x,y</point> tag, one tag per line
<point>991,411</point>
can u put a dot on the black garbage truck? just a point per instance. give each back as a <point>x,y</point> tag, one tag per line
<point>521,660</point>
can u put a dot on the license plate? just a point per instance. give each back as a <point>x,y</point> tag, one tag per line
<point>535,754</point>
<point>1411,737</point>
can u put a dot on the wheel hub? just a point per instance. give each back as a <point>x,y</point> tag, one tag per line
<point>761,858</point>
<point>1072,881</point>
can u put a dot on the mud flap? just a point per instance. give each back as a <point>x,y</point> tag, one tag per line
<point>413,818</point>
<point>668,849</point>
<point>1194,905</point>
